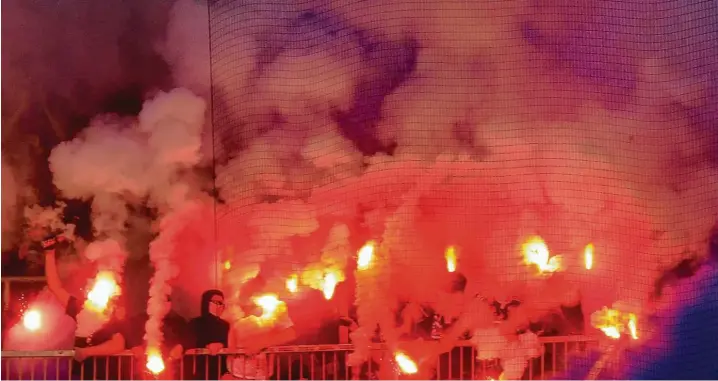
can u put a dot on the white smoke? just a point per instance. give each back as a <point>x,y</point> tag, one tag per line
<point>513,123</point>
<point>119,162</point>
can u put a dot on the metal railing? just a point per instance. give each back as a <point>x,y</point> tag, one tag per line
<point>314,362</point>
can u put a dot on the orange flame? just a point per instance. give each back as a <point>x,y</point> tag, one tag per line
<point>406,364</point>
<point>293,283</point>
<point>32,320</point>
<point>227,265</point>
<point>104,289</point>
<point>365,256</point>
<point>536,253</point>
<point>155,364</point>
<point>270,304</point>
<point>615,323</point>
<point>450,256</point>
<point>588,256</point>
<point>329,285</point>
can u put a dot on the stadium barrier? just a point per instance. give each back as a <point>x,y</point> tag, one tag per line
<point>314,362</point>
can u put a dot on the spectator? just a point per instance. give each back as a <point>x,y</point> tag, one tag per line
<point>106,341</point>
<point>210,332</point>
<point>176,336</point>
<point>253,339</point>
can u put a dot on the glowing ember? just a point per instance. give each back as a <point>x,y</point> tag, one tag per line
<point>32,320</point>
<point>536,252</point>
<point>450,259</point>
<point>365,256</point>
<point>269,304</point>
<point>293,284</point>
<point>330,284</point>
<point>588,256</point>
<point>155,364</point>
<point>407,365</point>
<point>104,289</point>
<point>615,323</point>
<point>227,265</point>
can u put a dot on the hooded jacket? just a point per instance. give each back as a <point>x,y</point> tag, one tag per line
<point>208,328</point>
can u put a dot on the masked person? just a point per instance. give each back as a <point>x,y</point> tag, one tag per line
<point>91,340</point>
<point>256,332</point>
<point>210,332</point>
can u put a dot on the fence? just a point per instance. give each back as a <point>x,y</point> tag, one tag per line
<point>315,362</point>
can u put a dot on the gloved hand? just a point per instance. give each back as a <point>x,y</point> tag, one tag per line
<point>50,242</point>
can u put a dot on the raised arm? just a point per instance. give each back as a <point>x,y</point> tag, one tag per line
<point>51,275</point>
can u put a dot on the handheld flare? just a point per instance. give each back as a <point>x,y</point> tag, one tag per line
<point>406,364</point>
<point>450,256</point>
<point>155,364</point>
<point>365,256</point>
<point>104,289</point>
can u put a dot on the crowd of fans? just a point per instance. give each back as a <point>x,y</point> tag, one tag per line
<point>215,336</point>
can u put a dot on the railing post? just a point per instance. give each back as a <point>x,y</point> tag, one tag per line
<point>6,294</point>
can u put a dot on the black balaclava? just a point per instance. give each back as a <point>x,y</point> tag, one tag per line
<point>206,298</point>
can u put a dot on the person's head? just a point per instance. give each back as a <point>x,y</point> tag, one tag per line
<point>212,303</point>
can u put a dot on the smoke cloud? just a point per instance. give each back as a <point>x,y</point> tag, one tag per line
<point>515,121</point>
<point>573,122</point>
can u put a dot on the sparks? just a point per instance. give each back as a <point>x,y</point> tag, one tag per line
<point>32,320</point>
<point>588,256</point>
<point>450,256</point>
<point>365,256</point>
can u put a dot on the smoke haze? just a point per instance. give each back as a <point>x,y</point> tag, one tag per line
<point>473,124</point>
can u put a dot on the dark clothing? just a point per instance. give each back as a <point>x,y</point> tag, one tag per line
<point>73,307</point>
<point>101,367</point>
<point>206,329</point>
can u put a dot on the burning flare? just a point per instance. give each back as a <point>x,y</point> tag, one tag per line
<point>104,289</point>
<point>270,304</point>
<point>155,364</point>
<point>293,284</point>
<point>450,256</point>
<point>406,364</point>
<point>227,265</point>
<point>32,320</point>
<point>536,253</point>
<point>614,323</point>
<point>365,256</point>
<point>588,256</point>
<point>329,285</point>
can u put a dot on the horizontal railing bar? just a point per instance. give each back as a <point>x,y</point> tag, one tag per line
<point>287,348</point>
<point>23,279</point>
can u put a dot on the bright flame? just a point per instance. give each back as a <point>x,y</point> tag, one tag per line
<point>536,252</point>
<point>293,283</point>
<point>227,265</point>
<point>32,320</point>
<point>269,304</point>
<point>614,323</point>
<point>632,327</point>
<point>329,285</point>
<point>104,289</point>
<point>407,365</point>
<point>588,256</point>
<point>155,364</point>
<point>450,259</point>
<point>365,256</point>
